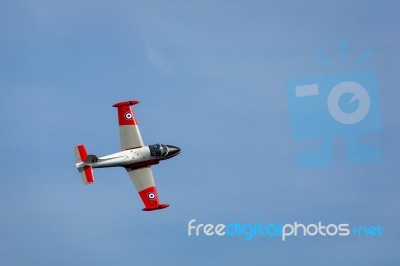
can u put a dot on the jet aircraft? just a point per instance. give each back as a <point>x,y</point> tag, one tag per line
<point>134,156</point>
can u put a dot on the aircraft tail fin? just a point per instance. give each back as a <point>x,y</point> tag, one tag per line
<point>85,171</point>
<point>91,158</point>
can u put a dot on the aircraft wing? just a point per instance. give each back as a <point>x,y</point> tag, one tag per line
<point>128,128</point>
<point>143,180</point>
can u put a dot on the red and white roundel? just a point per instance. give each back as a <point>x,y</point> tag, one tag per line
<point>151,195</point>
<point>128,116</point>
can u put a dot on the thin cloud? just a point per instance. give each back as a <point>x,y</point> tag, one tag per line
<point>157,59</point>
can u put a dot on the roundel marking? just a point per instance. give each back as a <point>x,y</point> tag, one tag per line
<point>151,195</point>
<point>128,116</point>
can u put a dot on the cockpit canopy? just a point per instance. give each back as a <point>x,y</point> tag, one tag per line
<point>158,150</point>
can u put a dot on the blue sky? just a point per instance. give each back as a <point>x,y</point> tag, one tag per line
<point>211,77</point>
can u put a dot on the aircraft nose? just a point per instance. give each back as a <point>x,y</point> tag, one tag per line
<point>173,151</point>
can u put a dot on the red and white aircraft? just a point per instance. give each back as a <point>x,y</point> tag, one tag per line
<point>134,157</point>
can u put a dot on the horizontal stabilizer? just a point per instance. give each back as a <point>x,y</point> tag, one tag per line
<point>80,153</point>
<point>86,173</point>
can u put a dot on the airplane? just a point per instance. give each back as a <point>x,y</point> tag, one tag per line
<point>134,156</point>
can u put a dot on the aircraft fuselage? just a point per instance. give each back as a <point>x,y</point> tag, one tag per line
<point>133,158</point>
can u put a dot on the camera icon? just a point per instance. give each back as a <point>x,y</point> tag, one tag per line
<point>337,105</point>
